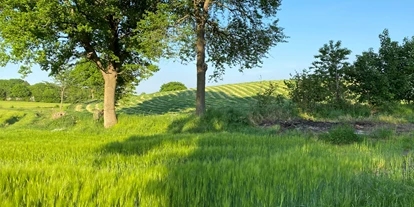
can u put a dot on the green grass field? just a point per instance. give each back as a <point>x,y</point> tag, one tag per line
<point>176,159</point>
<point>28,105</point>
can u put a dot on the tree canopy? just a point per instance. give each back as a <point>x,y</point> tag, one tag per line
<point>225,33</point>
<point>385,76</point>
<point>324,80</point>
<point>172,86</point>
<point>114,34</point>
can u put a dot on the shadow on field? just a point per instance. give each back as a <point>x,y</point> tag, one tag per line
<point>238,169</point>
<point>182,169</point>
<point>184,101</point>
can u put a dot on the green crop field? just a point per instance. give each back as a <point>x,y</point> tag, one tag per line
<point>229,95</point>
<point>156,158</point>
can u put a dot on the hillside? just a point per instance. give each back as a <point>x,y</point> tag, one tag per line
<point>227,95</point>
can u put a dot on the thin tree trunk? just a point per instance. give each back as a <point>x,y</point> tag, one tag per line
<point>92,95</point>
<point>338,95</point>
<point>62,95</point>
<point>337,88</point>
<point>201,70</point>
<point>109,97</point>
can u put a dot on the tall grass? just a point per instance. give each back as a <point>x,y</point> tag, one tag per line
<point>144,161</point>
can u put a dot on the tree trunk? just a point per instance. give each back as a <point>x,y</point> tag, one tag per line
<point>337,88</point>
<point>201,70</point>
<point>62,95</point>
<point>92,95</point>
<point>109,97</point>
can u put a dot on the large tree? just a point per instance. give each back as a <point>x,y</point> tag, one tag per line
<point>385,76</point>
<point>330,66</point>
<point>225,33</point>
<point>114,34</point>
<point>367,81</point>
<point>324,81</point>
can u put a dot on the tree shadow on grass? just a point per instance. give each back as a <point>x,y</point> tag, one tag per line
<point>238,169</point>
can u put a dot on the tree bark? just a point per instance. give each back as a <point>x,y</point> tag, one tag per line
<point>92,94</point>
<point>110,77</point>
<point>201,69</point>
<point>337,88</point>
<point>62,94</point>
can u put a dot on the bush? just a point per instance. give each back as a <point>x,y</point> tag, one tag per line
<point>382,133</point>
<point>345,109</point>
<point>305,90</point>
<point>343,134</point>
<point>63,122</point>
<point>172,86</point>
<point>270,107</point>
<point>214,120</point>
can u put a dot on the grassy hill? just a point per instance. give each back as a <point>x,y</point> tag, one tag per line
<point>227,95</point>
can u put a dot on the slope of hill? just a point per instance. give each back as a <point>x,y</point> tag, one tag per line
<point>230,95</point>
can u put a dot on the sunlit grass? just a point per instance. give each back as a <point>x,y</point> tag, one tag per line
<point>162,161</point>
<point>28,105</point>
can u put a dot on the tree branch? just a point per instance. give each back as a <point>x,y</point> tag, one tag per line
<point>206,5</point>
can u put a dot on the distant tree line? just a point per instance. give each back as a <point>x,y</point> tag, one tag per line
<point>77,84</point>
<point>375,78</point>
<point>20,90</point>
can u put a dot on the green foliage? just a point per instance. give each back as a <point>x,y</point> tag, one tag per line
<point>270,106</point>
<point>172,86</point>
<point>333,112</point>
<point>63,123</point>
<point>123,38</point>
<point>386,76</point>
<point>74,29</point>
<point>344,134</point>
<point>369,83</point>
<point>230,40</point>
<point>3,94</point>
<point>20,91</point>
<point>45,92</point>
<point>330,66</point>
<point>382,133</point>
<point>305,90</point>
<point>324,81</point>
<point>87,77</point>
<point>7,85</point>
<point>214,120</point>
<point>75,90</point>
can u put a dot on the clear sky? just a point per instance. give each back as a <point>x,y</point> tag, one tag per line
<point>309,24</point>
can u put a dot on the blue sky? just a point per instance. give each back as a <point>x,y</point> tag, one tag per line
<point>310,24</point>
